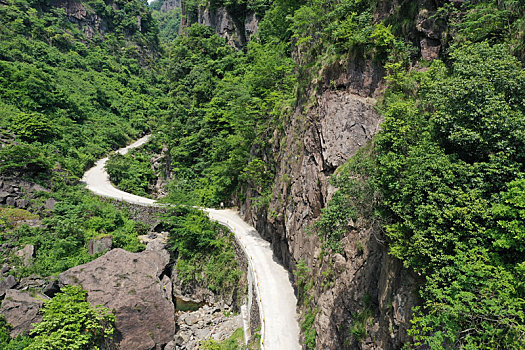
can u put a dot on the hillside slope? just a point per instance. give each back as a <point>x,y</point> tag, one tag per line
<point>372,188</point>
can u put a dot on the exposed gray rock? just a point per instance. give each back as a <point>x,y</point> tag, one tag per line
<point>21,310</point>
<point>172,345</point>
<point>22,203</point>
<point>3,196</point>
<point>208,322</point>
<point>17,192</point>
<point>26,254</point>
<point>50,203</point>
<point>347,122</point>
<point>167,288</point>
<point>100,245</point>
<point>333,120</point>
<point>236,30</point>
<point>154,241</point>
<point>88,20</point>
<point>189,292</point>
<point>169,5</point>
<point>426,24</point>
<point>7,283</point>
<point>129,284</point>
<point>33,282</point>
<point>251,24</point>
<point>430,49</point>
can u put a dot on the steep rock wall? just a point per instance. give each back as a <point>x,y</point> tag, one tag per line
<point>236,24</point>
<point>236,29</point>
<point>327,128</point>
<point>332,120</point>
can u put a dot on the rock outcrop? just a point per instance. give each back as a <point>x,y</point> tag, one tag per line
<point>18,193</point>
<point>236,23</point>
<point>130,285</point>
<point>21,310</point>
<point>169,5</point>
<point>237,30</point>
<point>100,245</point>
<point>206,323</point>
<point>334,118</point>
<point>89,21</point>
<point>26,254</point>
<point>6,284</point>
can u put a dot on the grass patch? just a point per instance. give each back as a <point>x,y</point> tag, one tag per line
<point>235,342</point>
<point>11,216</point>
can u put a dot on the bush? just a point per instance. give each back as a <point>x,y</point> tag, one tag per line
<point>6,342</point>
<point>62,242</point>
<point>71,323</point>
<point>24,158</point>
<point>204,250</point>
<point>447,158</point>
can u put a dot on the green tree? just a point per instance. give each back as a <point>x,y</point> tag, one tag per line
<point>25,158</point>
<point>71,323</point>
<point>446,157</point>
<point>32,127</point>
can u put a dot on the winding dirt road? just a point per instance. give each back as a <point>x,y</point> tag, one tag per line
<point>276,298</point>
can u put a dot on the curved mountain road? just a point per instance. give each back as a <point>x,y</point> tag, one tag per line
<point>276,298</point>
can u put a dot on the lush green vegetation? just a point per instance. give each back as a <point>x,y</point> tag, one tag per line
<point>6,342</point>
<point>450,163</point>
<point>305,284</point>
<point>133,171</point>
<point>203,249</point>
<point>62,241</point>
<point>69,93</point>
<point>168,21</point>
<point>445,177</point>
<point>223,105</point>
<point>70,322</point>
<point>69,97</point>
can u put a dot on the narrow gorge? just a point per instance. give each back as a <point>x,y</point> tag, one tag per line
<point>262,174</point>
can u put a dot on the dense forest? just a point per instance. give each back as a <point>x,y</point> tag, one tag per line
<point>443,180</point>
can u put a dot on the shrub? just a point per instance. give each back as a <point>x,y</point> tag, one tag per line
<point>71,323</point>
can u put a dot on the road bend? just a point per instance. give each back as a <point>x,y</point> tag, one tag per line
<point>275,294</point>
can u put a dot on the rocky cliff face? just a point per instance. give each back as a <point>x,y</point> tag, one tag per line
<point>132,21</point>
<point>236,24</point>
<point>237,30</point>
<point>169,5</point>
<point>92,24</point>
<point>333,119</point>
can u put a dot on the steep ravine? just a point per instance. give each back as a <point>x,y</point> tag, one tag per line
<point>323,133</point>
<point>363,297</point>
<point>276,300</point>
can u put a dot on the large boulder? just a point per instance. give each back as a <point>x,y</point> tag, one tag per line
<point>26,254</point>
<point>7,283</point>
<point>21,310</point>
<point>129,284</point>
